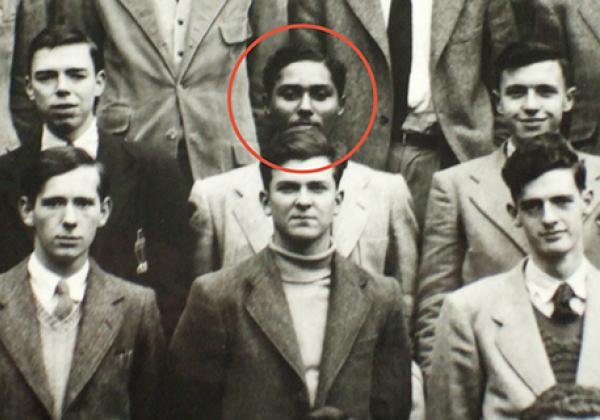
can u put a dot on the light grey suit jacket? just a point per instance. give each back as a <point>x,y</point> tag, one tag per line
<point>116,361</point>
<point>489,360</point>
<point>469,234</point>
<point>375,228</point>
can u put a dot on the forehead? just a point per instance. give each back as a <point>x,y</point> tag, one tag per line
<point>542,73</point>
<point>63,57</point>
<point>305,73</point>
<point>80,182</point>
<point>304,178</point>
<point>550,184</point>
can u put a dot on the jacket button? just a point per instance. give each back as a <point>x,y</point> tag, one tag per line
<point>384,120</point>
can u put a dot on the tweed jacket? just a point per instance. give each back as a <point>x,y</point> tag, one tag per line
<point>375,228</point>
<point>234,353</point>
<point>489,360</point>
<point>469,234</point>
<point>116,363</point>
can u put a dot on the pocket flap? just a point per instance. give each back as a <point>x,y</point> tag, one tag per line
<point>236,32</point>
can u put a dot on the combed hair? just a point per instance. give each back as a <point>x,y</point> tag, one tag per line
<point>521,54</point>
<point>298,143</point>
<point>565,400</point>
<point>287,55</point>
<point>58,36</point>
<point>57,161</point>
<point>537,156</point>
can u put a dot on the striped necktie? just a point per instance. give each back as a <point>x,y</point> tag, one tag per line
<point>64,305</point>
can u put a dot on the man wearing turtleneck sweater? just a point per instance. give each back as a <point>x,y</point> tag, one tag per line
<point>504,340</point>
<point>297,330</point>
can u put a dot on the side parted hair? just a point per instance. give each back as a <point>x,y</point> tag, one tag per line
<point>566,401</point>
<point>521,54</point>
<point>287,55</point>
<point>58,36</point>
<point>539,155</point>
<point>299,143</point>
<point>57,161</point>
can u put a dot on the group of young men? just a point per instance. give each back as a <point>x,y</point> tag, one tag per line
<point>314,287</point>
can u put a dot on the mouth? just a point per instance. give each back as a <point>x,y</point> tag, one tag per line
<point>305,124</point>
<point>553,235</point>
<point>67,240</point>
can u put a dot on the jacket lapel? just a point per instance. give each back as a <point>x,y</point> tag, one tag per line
<point>519,339</point>
<point>19,331</point>
<point>144,14</point>
<point>445,16</point>
<point>591,15</point>
<point>348,309</point>
<point>588,371</point>
<point>101,319</point>
<point>372,19</point>
<point>490,195</point>
<point>350,223</point>
<point>267,305</point>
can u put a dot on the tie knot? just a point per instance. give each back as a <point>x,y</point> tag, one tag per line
<point>62,288</point>
<point>562,304</point>
<point>64,303</point>
<point>563,294</point>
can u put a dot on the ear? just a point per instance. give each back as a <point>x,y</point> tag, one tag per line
<point>588,197</point>
<point>339,199</point>
<point>105,210</point>
<point>514,214</point>
<point>342,105</point>
<point>29,89</point>
<point>569,99</point>
<point>26,211</point>
<point>100,83</point>
<point>497,102</point>
<point>264,201</point>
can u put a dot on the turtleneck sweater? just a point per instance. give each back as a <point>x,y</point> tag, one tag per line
<point>306,283</point>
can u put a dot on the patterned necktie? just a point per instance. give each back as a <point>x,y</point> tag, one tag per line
<point>563,312</point>
<point>64,305</point>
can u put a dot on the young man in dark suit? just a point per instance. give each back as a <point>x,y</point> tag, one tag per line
<point>296,329</point>
<point>77,342</point>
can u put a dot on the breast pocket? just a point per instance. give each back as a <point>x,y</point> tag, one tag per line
<point>236,32</point>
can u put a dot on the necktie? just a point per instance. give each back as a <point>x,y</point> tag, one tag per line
<point>64,305</point>
<point>562,309</point>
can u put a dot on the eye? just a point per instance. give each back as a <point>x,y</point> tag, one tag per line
<point>53,202</point>
<point>77,74</point>
<point>43,76</point>
<point>546,91</point>
<point>515,91</point>
<point>562,201</point>
<point>321,93</point>
<point>289,93</point>
<point>83,202</point>
<point>531,207</point>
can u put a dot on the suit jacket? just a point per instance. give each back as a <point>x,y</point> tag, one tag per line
<point>117,356</point>
<point>469,234</point>
<point>8,13</point>
<point>375,228</point>
<point>153,102</point>
<point>489,360</point>
<point>574,26</point>
<point>235,355</point>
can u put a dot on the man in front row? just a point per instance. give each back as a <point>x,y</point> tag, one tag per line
<point>504,340</point>
<point>75,342</point>
<point>296,329</point>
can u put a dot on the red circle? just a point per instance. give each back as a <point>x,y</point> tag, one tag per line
<point>317,28</point>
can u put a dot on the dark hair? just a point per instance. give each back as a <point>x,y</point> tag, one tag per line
<point>287,55</point>
<point>537,156</point>
<point>298,143</point>
<point>567,400</point>
<point>521,54</point>
<point>57,161</point>
<point>58,36</point>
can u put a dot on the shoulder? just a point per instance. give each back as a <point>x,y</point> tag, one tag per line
<point>375,180</point>
<point>130,291</point>
<point>219,186</point>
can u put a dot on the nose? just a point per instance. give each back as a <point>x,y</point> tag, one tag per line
<point>305,106</point>
<point>549,216</point>
<point>69,216</point>
<point>62,85</point>
<point>303,199</point>
<point>532,104</point>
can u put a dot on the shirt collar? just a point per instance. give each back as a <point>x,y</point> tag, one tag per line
<point>44,281</point>
<point>544,285</point>
<point>510,147</point>
<point>88,140</point>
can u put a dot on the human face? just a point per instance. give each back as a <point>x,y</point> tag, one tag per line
<point>551,210</point>
<point>64,85</point>
<point>533,99</point>
<point>304,94</point>
<point>65,216</point>
<point>302,206</point>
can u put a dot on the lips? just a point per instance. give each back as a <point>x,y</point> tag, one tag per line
<point>67,239</point>
<point>553,235</point>
<point>305,124</point>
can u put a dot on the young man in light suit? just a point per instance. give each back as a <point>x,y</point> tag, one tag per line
<point>296,330</point>
<point>467,234</point>
<point>504,340</point>
<point>77,342</point>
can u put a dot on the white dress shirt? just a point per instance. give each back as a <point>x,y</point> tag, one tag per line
<point>88,140</point>
<point>173,18</point>
<point>542,287</point>
<point>44,282</point>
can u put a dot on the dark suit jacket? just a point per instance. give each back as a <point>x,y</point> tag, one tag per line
<point>234,354</point>
<point>117,356</point>
<point>146,195</point>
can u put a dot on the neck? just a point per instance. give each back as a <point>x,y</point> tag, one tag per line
<point>63,269</point>
<point>560,267</point>
<point>71,136</point>
<point>301,247</point>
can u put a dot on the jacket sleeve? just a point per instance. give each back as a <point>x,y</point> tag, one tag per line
<point>149,356</point>
<point>441,262</point>
<point>391,392</point>
<point>308,11</point>
<point>205,253</point>
<point>197,359</point>
<point>455,387</point>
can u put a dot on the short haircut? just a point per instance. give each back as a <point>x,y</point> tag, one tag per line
<point>565,400</point>
<point>287,55</point>
<point>298,143</point>
<point>57,161</point>
<point>541,154</point>
<point>58,36</point>
<point>521,54</point>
